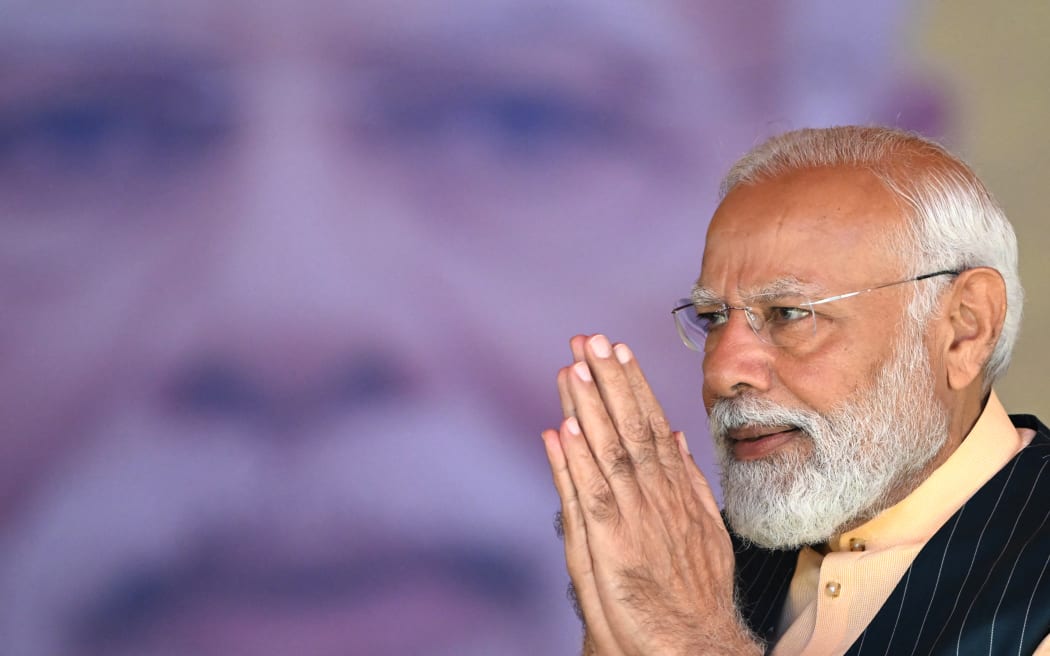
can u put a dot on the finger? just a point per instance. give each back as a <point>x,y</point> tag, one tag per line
<point>600,494</point>
<point>568,407</point>
<point>697,479</point>
<point>584,589</point>
<point>683,445</point>
<point>570,505</point>
<point>576,345</point>
<point>618,397</point>
<point>599,435</point>
<point>662,439</point>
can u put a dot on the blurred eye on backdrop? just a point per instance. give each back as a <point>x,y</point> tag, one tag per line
<point>500,121</point>
<point>83,135</point>
<point>458,121</point>
<point>92,143</point>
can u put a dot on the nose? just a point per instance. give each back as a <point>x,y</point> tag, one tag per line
<point>736,360</point>
<point>304,305</point>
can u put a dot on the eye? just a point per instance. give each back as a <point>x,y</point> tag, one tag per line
<point>497,120</point>
<point>107,133</point>
<point>520,119</point>
<point>788,314</point>
<point>709,319</point>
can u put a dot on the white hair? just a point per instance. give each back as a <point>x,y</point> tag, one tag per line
<point>955,223</point>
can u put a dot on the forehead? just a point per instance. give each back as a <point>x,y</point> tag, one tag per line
<point>355,23</point>
<point>826,228</point>
<point>593,46</point>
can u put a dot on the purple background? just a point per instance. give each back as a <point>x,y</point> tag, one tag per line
<point>285,286</point>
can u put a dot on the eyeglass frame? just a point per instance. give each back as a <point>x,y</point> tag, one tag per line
<point>752,319</point>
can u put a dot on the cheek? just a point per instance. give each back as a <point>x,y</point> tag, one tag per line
<point>54,365</point>
<point>816,387</point>
<point>75,289</point>
<point>708,397</point>
<point>832,376</point>
<point>68,327</point>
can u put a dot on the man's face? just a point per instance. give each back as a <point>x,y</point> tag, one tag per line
<point>815,435</point>
<point>276,328</point>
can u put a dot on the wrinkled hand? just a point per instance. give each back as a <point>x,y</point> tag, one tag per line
<point>646,548</point>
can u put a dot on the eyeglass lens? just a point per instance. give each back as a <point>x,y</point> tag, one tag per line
<point>783,321</point>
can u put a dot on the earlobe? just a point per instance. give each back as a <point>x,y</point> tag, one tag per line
<point>976,311</point>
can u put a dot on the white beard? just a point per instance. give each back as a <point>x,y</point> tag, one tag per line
<point>863,450</point>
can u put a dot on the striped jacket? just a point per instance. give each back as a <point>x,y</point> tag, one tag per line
<point>981,585</point>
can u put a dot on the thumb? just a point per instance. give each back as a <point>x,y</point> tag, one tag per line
<point>697,479</point>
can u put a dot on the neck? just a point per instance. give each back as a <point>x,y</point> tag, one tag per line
<point>964,409</point>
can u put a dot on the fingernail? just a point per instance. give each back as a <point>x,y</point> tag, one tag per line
<point>682,443</point>
<point>573,425</point>
<point>623,354</point>
<point>600,346</point>
<point>582,370</point>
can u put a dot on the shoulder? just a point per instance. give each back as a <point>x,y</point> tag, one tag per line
<point>1038,450</point>
<point>1031,422</point>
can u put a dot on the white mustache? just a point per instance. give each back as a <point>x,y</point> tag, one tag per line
<point>731,413</point>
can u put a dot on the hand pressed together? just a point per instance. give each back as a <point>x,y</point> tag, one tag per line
<point>647,551</point>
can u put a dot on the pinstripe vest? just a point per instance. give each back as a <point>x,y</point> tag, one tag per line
<point>981,585</point>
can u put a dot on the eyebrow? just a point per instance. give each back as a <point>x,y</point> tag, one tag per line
<point>786,286</point>
<point>705,296</point>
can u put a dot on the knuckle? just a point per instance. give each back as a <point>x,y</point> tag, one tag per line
<point>618,460</point>
<point>644,457</point>
<point>634,429</point>
<point>602,506</point>
<point>659,424</point>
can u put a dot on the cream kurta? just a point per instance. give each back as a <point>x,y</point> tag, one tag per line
<point>833,597</point>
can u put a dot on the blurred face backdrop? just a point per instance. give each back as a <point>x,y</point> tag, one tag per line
<point>284,286</point>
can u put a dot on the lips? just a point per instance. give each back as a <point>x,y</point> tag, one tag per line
<point>754,442</point>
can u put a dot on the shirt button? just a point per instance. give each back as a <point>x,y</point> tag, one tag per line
<point>856,544</point>
<point>833,588</point>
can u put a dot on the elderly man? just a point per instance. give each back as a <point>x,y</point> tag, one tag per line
<point>857,299</point>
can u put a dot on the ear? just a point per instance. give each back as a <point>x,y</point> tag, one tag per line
<point>974,318</point>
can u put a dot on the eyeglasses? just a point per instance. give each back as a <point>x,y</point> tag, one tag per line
<point>784,320</point>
